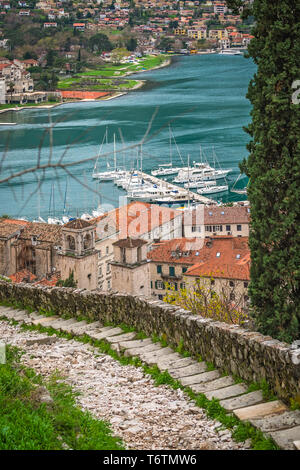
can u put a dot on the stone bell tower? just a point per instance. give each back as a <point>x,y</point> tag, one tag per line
<point>78,253</point>
<point>130,270</point>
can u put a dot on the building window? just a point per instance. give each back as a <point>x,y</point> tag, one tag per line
<point>123,255</point>
<point>228,228</point>
<point>208,228</point>
<point>158,269</point>
<point>184,270</point>
<point>139,254</point>
<point>171,271</point>
<point>246,285</point>
<point>107,269</point>
<point>239,228</point>
<point>107,250</point>
<point>87,242</point>
<point>196,228</point>
<point>232,296</point>
<point>159,285</point>
<point>217,228</point>
<point>71,242</point>
<point>99,254</point>
<point>108,284</point>
<point>231,283</point>
<point>182,285</point>
<point>212,282</point>
<point>100,271</point>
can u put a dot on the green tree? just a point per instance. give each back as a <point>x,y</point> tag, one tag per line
<point>69,282</point>
<point>273,167</point>
<point>131,44</point>
<point>99,43</point>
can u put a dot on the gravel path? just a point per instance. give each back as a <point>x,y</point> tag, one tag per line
<point>146,417</point>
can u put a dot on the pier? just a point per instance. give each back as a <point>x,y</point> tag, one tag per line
<point>194,197</point>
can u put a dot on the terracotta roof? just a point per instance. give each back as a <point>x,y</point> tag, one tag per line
<point>22,276</point>
<point>134,220</point>
<point>48,282</point>
<point>226,257</point>
<point>218,215</point>
<point>43,232</point>
<point>78,224</point>
<point>178,250</point>
<point>222,256</point>
<point>130,243</point>
<point>10,226</point>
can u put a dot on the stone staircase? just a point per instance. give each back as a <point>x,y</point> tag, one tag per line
<point>273,418</point>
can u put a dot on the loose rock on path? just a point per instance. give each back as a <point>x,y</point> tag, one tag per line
<point>146,417</point>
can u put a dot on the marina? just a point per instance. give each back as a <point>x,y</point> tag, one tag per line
<point>199,117</point>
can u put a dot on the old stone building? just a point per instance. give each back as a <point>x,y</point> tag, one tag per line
<point>10,231</point>
<point>129,269</point>
<point>217,220</point>
<point>141,220</point>
<point>46,250</point>
<point>78,253</point>
<point>221,261</point>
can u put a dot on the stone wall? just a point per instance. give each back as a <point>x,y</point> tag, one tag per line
<point>249,355</point>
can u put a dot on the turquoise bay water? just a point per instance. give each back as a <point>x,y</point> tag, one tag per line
<point>203,97</point>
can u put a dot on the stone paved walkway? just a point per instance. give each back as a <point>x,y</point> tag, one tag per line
<point>145,416</point>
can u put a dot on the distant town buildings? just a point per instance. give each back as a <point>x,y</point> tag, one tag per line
<point>140,249</point>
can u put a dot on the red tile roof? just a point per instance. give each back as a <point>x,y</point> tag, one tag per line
<point>218,215</point>
<point>226,257</point>
<point>135,219</point>
<point>223,256</point>
<point>22,276</point>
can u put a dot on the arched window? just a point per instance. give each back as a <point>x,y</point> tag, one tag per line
<point>87,242</point>
<point>70,242</point>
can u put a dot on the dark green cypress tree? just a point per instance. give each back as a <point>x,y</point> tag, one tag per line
<point>273,167</point>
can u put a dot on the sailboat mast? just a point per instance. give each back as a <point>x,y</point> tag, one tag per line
<point>115,155</point>
<point>188,181</point>
<point>170,140</point>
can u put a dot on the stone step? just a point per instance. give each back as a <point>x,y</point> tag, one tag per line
<point>119,338</point>
<point>138,343</point>
<point>60,322</point>
<point>285,439</point>
<point>227,392</point>
<point>197,368</point>
<point>297,445</point>
<point>105,333</point>
<point>222,382</point>
<point>200,378</point>
<point>7,312</point>
<point>151,358</point>
<point>73,327</point>
<point>44,321</point>
<point>252,398</point>
<point>260,411</point>
<point>136,352</point>
<point>16,314</point>
<point>86,329</point>
<point>183,362</point>
<point>34,316</point>
<point>288,419</point>
<point>166,362</point>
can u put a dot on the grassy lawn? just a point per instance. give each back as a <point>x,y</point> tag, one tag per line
<point>113,72</point>
<point>28,424</point>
